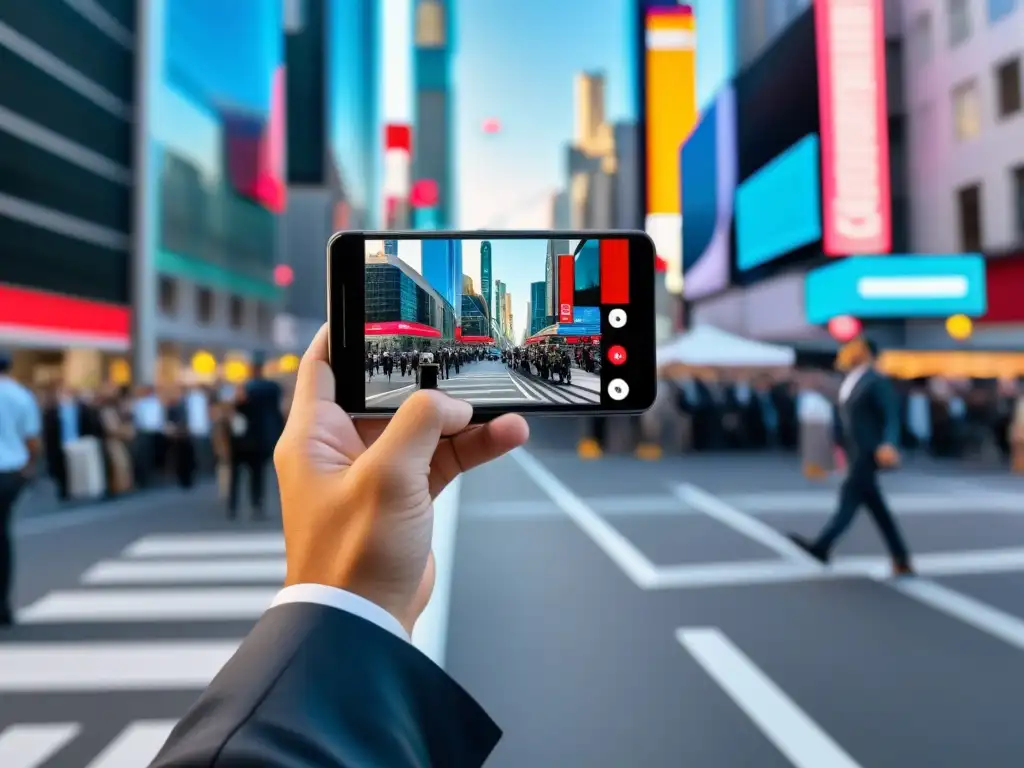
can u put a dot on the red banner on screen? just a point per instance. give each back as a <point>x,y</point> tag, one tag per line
<point>856,207</point>
<point>566,287</point>
<point>401,329</point>
<point>477,340</point>
<point>615,271</point>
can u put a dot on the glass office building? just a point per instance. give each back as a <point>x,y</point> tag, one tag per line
<point>538,306</point>
<point>486,288</point>
<point>474,316</point>
<point>441,266</point>
<point>393,294</point>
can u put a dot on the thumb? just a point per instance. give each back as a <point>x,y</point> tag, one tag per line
<point>315,380</point>
<point>421,421</point>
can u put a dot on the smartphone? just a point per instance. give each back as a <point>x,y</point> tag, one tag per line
<point>547,323</point>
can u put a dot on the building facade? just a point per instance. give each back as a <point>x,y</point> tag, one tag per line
<point>555,249</point>
<point>538,307</point>
<point>396,293</point>
<point>441,266</point>
<point>486,288</point>
<point>432,155</point>
<point>66,205</point>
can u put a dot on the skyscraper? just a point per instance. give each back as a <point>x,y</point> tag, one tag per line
<point>441,266</point>
<point>468,289</point>
<point>555,249</point>
<point>538,307</point>
<point>499,303</point>
<point>508,314</point>
<point>485,275</point>
<point>391,248</point>
<point>432,150</point>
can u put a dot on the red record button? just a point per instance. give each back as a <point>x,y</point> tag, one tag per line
<point>617,355</point>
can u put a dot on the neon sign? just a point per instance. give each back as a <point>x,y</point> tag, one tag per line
<point>856,208</point>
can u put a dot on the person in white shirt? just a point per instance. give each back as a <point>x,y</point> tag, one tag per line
<point>328,676</point>
<point>868,430</point>
<point>150,422</point>
<point>20,427</point>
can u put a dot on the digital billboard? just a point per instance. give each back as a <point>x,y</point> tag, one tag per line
<point>708,174</point>
<point>778,208</point>
<point>215,129</point>
<point>897,286</point>
<point>776,110</point>
<point>856,204</point>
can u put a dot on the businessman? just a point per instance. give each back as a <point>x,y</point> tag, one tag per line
<point>328,677</point>
<point>867,428</point>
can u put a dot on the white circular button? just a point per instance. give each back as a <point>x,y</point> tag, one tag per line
<point>618,389</point>
<point>617,318</point>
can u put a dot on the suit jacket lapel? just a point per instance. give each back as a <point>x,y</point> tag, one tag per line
<point>861,386</point>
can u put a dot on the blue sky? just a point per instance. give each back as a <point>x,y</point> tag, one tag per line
<point>202,44</point>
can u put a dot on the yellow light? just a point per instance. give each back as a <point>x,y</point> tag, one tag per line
<point>959,327</point>
<point>236,371</point>
<point>289,363</point>
<point>204,363</point>
<point>120,372</point>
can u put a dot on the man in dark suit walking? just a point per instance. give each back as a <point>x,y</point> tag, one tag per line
<point>260,407</point>
<point>328,678</point>
<point>867,428</point>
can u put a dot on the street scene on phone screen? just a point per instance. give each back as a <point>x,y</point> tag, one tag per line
<point>482,320</point>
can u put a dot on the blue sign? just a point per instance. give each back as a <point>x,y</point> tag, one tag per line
<point>897,286</point>
<point>778,209</point>
<point>586,316</point>
<point>578,329</point>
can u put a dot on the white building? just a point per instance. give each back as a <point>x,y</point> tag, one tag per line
<point>965,101</point>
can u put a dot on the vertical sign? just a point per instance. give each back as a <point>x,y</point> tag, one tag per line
<point>856,206</point>
<point>566,286</point>
<point>614,271</point>
<point>670,115</point>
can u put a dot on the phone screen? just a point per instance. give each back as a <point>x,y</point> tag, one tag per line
<point>508,323</point>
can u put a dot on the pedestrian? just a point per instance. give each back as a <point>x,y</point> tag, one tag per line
<point>20,427</point>
<point>868,430</point>
<point>259,421</point>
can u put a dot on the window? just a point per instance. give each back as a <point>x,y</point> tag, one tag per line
<point>204,305</point>
<point>969,208</point>
<point>1000,9</point>
<point>1018,201</point>
<point>959,21</point>
<point>921,38</point>
<point>430,31</point>
<point>966,111</point>
<point>167,290</point>
<point>1008,88</point>
<point>237,312</point>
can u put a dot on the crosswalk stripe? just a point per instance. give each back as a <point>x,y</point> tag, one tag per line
<point>136,745</point>
<point>98,667</point>
<point>259,571</point>
<point>149,605</point>
<point>207,545</point>
<point>29,745</point>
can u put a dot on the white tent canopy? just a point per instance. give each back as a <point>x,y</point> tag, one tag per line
<point>710,347</point>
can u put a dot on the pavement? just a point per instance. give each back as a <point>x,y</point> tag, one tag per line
<point>607,614</point>
<point>491,383</point>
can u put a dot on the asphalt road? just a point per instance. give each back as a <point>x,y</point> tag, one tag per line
<point>614,614</point>
<point>491,383</point>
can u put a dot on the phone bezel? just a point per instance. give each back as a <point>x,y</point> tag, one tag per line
<point>346,313</point>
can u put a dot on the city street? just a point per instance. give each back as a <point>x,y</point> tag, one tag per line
<point>612,614</point>
<point>490,382</point>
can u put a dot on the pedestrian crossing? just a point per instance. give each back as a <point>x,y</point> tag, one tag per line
<point>136,640</point>
<point>514,387</point>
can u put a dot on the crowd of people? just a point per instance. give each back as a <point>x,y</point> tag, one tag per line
<point>553,361</point>
<point>391,362</point>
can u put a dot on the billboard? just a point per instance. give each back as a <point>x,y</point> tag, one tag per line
<point>897,286</point>
<point>586,316</point>
<point>708,173</point>
<point>778,208</point>
<point>670,112</point>
<point>566,287</point>
<point>856,204</point>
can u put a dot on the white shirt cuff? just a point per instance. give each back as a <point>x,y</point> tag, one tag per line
<point>333,597</point>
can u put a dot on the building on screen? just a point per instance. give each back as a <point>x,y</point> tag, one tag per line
<point>441,265</point>
<point>538,306</point>
<point>395,292</point>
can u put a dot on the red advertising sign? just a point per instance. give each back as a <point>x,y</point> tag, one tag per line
<point>566,286</point>
<point>398,136</point>
<point>615,271</point>
<point>401,329</point>
<point>856,209</point>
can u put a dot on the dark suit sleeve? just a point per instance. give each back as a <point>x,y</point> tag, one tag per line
<point>889,405</point>
<point>837,427</point>
<point>316,687</point>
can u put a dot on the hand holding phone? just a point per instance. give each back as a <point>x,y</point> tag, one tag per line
<point>551,323</point>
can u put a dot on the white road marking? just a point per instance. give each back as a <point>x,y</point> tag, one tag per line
<point>148,605</point>
<point>519,386</point>
<point>390,392</point>
<point>141,666</point>
<point>261,571</point>
<point>510,399</point>
<point>975,613</point>
<point>455,392</point>
<point>879,567</point>
<point>621,550</point>
<point>804,743</point>
<point>207,545</point>
<point>430,634</point>
<point>30,745</point>
<point>742,523</point>
<point>824,502</point>
<point>136,745</point>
